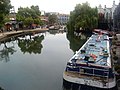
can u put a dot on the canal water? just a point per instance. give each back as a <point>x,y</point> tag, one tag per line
<point>36,61</point>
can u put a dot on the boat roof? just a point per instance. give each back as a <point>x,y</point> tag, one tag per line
<point>96,51</point>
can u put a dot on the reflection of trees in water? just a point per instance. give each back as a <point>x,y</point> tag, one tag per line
<point>32,45</point>
<point>6,51</point>
<point>76,41</point>
<point>54,32</point>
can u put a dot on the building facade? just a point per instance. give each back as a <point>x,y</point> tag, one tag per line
<point>106,16</point>
<point>107,12</point>
<point>63,19</point>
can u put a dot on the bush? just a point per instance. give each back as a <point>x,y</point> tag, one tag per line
<point>115,57</point>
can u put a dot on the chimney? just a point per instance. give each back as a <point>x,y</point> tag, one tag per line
<point>105,6</point>
<point>113,2</point>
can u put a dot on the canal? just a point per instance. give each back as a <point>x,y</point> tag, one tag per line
<point>36,61</point>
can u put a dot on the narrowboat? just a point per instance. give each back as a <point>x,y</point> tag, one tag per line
<point>91,65</point>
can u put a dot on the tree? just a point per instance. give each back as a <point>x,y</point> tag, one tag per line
<point>52,19</point>
<point>83,16</point>
<point>26,12</point>
<point>4,10</point>
<point>29,15</point>
<point>36,12</point>
<point>28,21</point>
<point>20,17</point>
<point>38,21</point>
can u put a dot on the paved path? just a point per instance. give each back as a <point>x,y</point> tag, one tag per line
<point>5,34</point>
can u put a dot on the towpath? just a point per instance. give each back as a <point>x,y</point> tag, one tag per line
<point>5,34</point>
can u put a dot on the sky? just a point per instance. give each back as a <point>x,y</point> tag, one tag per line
<point>61,6</point>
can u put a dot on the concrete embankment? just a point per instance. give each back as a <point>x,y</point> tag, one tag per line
<point>115,51</point>
<point>7,34</point>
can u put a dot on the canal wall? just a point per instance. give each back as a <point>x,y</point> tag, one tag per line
<point>11,33</point>
<point>115,51</point>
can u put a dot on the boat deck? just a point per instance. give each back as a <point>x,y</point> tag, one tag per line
<point>95,51</point>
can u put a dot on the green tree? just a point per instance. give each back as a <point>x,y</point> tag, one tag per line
<point>83,16</point>
<point>38,21</point>
<point>52,19</point>
<point>35,11</point>
<point>6,19</point>
<point>29,15</point>
<point>20,18</point>
<point>26,12</point>
<point>28,21</point>
<point>4,10</point>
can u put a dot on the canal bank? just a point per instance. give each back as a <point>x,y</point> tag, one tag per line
<point>7,34</point>
<point>115,51</point>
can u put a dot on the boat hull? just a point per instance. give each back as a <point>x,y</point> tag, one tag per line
<point>89,82</point>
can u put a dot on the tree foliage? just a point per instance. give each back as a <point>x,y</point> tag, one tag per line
<point>26,12</point>
<point>4,10</point>
<point>29,15</point>
<point>28,21</point>
<point>83,16</point>
<point>52,19</point>
<point>38,21</point>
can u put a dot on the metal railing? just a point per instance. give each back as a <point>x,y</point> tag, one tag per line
<point>90,71</point>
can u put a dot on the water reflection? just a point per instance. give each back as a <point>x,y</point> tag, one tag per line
<point>31,44</point>
<point>76,41</point>
<point>54,32</point>
<point>6,51</point>
<point>27,45</point>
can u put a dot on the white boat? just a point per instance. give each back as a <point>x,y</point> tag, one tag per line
<point>62,28</point>
<point>91,65</point>
<point>54,27</point>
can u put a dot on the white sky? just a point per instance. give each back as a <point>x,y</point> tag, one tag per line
<point>61,6</point>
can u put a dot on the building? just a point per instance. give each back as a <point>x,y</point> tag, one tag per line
<point>116,20</point>
<point>107,12</point>
<point>44,19</point>
<point>12,15</point>
<point>11,24</point>
<point>106,16</point>
<point>63,19</point>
